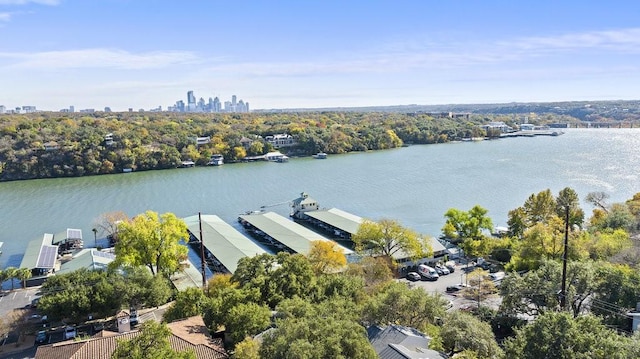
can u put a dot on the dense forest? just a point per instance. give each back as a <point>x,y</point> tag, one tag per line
<point>45,145</point>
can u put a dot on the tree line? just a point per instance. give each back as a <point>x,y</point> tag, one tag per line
<point>46,145</point>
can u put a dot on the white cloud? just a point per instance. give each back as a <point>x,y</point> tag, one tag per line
<point>5,16</point>
<point>25,2</point>
<point>622,40</point>
<point>99,58</point>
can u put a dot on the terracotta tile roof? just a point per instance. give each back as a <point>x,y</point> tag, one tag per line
<point>190,333</point>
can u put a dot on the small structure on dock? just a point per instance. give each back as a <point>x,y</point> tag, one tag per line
<point>334,222</point>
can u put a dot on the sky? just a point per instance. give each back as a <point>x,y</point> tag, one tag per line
<point>143,54</point>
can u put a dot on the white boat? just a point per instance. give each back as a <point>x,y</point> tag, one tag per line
<point>320,155</point>
<point>1,244</point>
<point>216,160</point>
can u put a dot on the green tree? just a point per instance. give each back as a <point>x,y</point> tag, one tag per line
<point>152,241</point>
<point>151,343</point>
<point>316,337</point>
<point>276,277</point>
<point>23,274</point>
<point>247,349</point>
<point>462,332</point>
<point>11,273</point>
<point>387,237</point>
<point>247,319</point>
<point>395,303</point>
<point>188,303</point>
<point>467,227</point>
<point>568,200</point>
<point>559,335</point>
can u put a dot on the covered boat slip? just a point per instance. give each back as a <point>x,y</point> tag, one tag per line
<point>290,234</point>
<point>41,256</point>
<point>222,240</point>
<point>339,222</point>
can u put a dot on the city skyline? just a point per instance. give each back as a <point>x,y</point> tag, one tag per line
<point>287,54</point>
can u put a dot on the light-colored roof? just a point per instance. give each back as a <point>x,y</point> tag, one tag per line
<point>298,238</point>
<point>40,253</point>
<point>224,241</point>
<point>88,258</point>
<point>190,333</point>
<point>338,218</point>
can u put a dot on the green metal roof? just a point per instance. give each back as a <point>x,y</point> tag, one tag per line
<point>224,241</point>
<point>285,231</point>
<point>40,253</point>
<point>88,258</point>
<point>337,218</point>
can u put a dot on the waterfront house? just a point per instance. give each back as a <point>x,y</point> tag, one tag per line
<point>281,140</point>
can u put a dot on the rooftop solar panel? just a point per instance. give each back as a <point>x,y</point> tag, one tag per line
<point>74,233</point>
<point>47,257</point>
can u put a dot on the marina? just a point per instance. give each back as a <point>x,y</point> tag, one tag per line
<point>415,185</point>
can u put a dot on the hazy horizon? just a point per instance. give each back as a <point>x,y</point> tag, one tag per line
<point>286,54</point>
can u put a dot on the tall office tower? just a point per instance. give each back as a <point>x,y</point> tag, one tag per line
<point>227,106</point>
<point>217,106</point>
<point>233,100</point>
<point>2,109</point>
<point>72,108</point>
<point>180,106</point>
<point>191,101</point>
<point>201,105</point>
<point>247,104</point>
<point>210,105</point>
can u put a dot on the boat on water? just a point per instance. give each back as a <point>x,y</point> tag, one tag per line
<point>1,244</point>
<point>276,157</point>
<point>216,160</point>
<point>320,155</point>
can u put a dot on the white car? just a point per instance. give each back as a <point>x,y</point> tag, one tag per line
<point>70,332</point>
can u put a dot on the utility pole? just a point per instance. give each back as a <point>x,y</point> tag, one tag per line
<point>202,262</point>
<point>563,291</point>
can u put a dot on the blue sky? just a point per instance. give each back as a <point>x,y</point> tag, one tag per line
<point>287,54</point>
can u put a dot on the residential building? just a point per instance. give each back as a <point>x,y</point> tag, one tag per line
<point>399,342</point>
<point>187,334</point>
<point>280,140</point>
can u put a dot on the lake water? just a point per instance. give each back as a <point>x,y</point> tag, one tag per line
<point>414,185</point>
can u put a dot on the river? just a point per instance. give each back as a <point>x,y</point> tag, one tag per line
<point>414,185</point>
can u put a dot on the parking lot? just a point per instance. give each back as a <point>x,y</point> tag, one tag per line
<point>458,276</point>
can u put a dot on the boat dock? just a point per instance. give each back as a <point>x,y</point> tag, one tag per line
<point>334,222</point>
<point>282,232</point>
<point>224,245</point>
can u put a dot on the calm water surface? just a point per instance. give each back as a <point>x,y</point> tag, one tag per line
<point>415,185</point>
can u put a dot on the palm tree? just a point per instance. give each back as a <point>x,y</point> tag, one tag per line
<point>3,277</point>
<point>24,274</point>
<point>11,273</point>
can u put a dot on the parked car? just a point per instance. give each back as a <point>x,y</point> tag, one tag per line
<point>442,270</point>
<point>450,266</point>
<point>70,332</point>
<point>427,272</point>
<point>41,336</point>
<point>456,287</point>
<point>413,276</point>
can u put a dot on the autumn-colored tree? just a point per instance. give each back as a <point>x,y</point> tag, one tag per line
<point>326,257</point>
